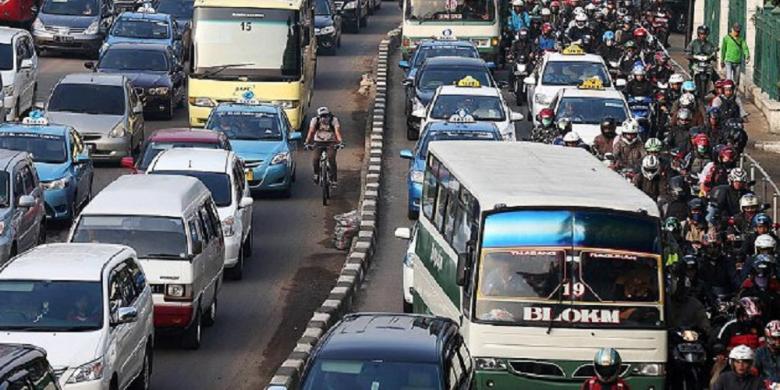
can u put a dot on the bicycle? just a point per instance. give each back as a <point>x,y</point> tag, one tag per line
<point>324,180</point>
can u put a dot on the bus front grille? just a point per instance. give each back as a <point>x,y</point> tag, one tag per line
<point>536,369</point>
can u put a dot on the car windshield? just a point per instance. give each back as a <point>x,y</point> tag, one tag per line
<point>154,148</point>
<point>134,60</point>
<point>481,108</point>
<point>179,9</point>
<point>151,237</point>
<point>104,99</point>
<point>372,374</point>
<point>456,136</point>
<point>446,10</point>
<point>71,7</point>
<point>217,183</point>
<point>432,78</point>
<point>44,148</point>
<point>425,52</point>
<point>574,73</point>
<point>238,125</point>
<point>591,111</point>
<point>321,7</point>
<point>6,56</point>
<point>4,189</point>
<point>50,306</point>
<point>137,28</point>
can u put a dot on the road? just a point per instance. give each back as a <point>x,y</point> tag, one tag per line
<point>294,264</point>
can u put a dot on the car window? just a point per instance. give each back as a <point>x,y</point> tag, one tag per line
<point>216,224</point>
<point>195,230</point>
<point>29,180</point>
<point>21,51</point>
<point>18,185</point>
<point>128,286</point>
<point>208,231</point>
<point>40,375</point>
<point>137,276</point>
<point>240,179</point>
<point>30,46</point>
<point>115,292</point>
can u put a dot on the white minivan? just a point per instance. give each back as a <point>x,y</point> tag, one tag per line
<point>89,306</point>
<point>19,71</point>
<point>172,223</point>
<point>222,172</point>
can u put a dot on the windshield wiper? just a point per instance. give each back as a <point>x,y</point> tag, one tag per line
<point>218,69</point>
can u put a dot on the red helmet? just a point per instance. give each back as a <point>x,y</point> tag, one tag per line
<point>660,57</point>
<point>719,84</point>
<point>546,28</point>
<point>728,84</point>
<point>546,113</point>
<point>570,3</point>
<point>701,139</point>
<point>640,32</point>
<point>727,154</point>
<point>555,4</point>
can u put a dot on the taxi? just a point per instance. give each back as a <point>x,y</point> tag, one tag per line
<point>63,163</point>
<point>261,135</point>
<point>569,68</point>
<point>458,128</point>
<point>587,105</point>
<point>146,26</point>
<point>468,98</point>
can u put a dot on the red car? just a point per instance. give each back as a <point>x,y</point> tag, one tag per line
<point>175,138</point>
<point>18,12</point>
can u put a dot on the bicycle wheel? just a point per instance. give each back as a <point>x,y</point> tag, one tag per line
<point>325,182</point>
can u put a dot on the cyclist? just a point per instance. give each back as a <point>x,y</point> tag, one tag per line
<point>325,132</point>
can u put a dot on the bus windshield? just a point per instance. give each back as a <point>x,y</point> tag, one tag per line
<point>451,10</point>
<point>570,267</point>
<point>248,44</point>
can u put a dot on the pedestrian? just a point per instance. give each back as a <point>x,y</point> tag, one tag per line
<point>734,53</point>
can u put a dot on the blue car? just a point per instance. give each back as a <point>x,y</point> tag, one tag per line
<point>146,27</point>
<point>440,131</point>
<point>61,159</point>
<point>261,135</point>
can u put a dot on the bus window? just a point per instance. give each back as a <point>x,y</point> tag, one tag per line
<point>521,273</point>
<point>452,206</point>
<point>441,198</point>
<point>618,277</point>
<point>437,10</point>
<point>431,188</point>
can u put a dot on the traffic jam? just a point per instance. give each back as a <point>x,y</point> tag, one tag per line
<point>576,212</point>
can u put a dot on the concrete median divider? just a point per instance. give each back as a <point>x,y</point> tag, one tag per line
<point>341,296</point>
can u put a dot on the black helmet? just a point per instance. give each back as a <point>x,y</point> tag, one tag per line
<point>608,125</point>
<point>696,204</point>
<point>678,187</point>
<point>703,30</point>
<point>607,363</point>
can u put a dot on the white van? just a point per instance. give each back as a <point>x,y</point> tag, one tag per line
<point>222,172</point>
<point>173,225</point>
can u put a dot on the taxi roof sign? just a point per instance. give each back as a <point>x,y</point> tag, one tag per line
<point>573,50</point>
<point>35,118</point>
<point>592,83</point>
<point>468,82</point>
<point>146,8</point>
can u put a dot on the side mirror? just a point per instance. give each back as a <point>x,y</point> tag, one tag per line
<point>295,136</point>
<point>407,82</point>
<point>26,201</point>
<point>404,64</point>
<point>124,315</point>
<point>620,83</point>
<point>403,233</point>
<point>246,202</point>
<point>491,65</point>
<point>407,154</point>
<point>516,116</point>
<point>419,113</point>
<point>89,65</point>
<point>26,64</point>
<point>197,247</point>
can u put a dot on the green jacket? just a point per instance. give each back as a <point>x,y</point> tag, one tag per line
<point>734,50</point>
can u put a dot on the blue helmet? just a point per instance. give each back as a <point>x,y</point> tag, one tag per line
<point>713,111</point>
<point>761,219</point>
<point>608,36</point>
<point>689,86</point>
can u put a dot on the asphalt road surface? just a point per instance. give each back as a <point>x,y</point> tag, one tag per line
<point>294,264</point>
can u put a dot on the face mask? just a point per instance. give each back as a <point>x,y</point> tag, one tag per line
<point>546,122</point>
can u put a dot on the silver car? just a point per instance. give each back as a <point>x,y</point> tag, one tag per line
<point>22,211</point>
<point>104,109</point>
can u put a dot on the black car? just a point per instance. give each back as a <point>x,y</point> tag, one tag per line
<point>25,367</point>
<point>327,26</point>
<point>390,351</point>
<point>154,71</point>
<point>354,13</point>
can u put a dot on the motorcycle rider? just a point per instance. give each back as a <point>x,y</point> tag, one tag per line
<point>724,199</point>
<point>654,147</point>
<point>700,156</point>
<point>744,329</point>
<point>677,201</point>
<point>760,239</point>
<point>762,285</point>
<point>546,41</point>
<point>675,86</point>
<point>729,103</point>
<point>716,172</point>
<point>518,17</point>
<point>743,221</point>
<point>608,49</point>
<point>694,228</point>
<point>630,58</point>
<point>623,34</point>
<point>604,142</point>
<point>688,101</point>
<point>639,85</point>
<point>661,17</point>
<point>740,377</point>
<point>580,28</point>
<point>679,135</point>
<point>325,132</point>
<point>700,46</point>
<point>545,130</point>
<point>627,148</point>
<point>685,309</point>
<point>642,43</point>
<point>520,52</point>
<point>735,134</point>
<point>651,181</point>
<point>718,271</point>
<point>672,239</point>
<point>606,364</point>
<point>661,71</point>
<point>712,126</point>
<point>767,359</point>
<point>564,127</point>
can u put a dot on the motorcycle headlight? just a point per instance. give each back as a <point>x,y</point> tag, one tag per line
<point>56,184</point>
<point>229,226</point>
<point>542,99</point>
<point>37,25</point>
<point>417,176</point>
<point>350,5</point>
<point>286,104</point>
<point>490,364</point>
<point>327,30</point>
<point>91,371</point>
<point>202,102</point>
<point>118,131</point>
<point>280,158</point>
<point>93,28</point>
<point>158,91</point>
<point>648,369</point>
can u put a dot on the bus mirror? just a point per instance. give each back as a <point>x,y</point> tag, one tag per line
<point>403,233</point>
<point>460,276</point>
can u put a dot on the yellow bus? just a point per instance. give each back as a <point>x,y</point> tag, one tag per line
<point>261,48</point>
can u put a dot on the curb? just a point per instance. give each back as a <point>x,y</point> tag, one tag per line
<point>768,146</point>
<point>340,298</point>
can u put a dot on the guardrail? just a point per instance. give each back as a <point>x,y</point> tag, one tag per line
<point>763,182</point>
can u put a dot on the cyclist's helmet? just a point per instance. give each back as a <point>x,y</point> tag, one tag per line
<point>322,111</point>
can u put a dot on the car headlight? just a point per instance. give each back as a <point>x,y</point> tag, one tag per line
<point>280,158</point>
<point>417,176</point>
<point>8,90</point>
<point>178,291</point>
<point>350,5</point>
<point>57,184</point>
<point>327,30</point>
<point>229,226</point>
<point>490,364</point>
<point>91,371</point>
<point>158,91</point>
<point>286,104</point>
<point>542,99</point>
<point>202,102</point>
<point>118,131</point>
<point>93,28</point>
<point>37,25</point>
<point>648,369</point>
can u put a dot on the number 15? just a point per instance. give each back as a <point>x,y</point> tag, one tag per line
<point>246,26</point>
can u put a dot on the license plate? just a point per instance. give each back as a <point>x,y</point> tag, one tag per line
<point>63,38</point>
<point>250,175</point>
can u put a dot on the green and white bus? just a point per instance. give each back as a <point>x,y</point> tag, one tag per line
<point>543,255</point>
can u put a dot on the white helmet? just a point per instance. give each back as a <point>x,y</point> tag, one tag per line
<point>650,166</point>
<point>590,7</point>
<point>518,3</point>
<point>741,352</point>
<point>764,241</point>
<point>571,136</point>
<point>579,10</point>
<point>687,99</point>
<point>323,111</point>
<point>581,18</point>
<point>676,78</point>
<point>546,12</point>
<point>737,174</point>
<point>630,126</point>
<point>748,200</point>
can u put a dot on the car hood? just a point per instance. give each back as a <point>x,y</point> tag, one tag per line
<point>321,21</point>
<point>72,21</point>
<point>51,171</point>
<point>86,123</point>
<point>67,349</point>
<point>256,150</point>
<point>142,79</point>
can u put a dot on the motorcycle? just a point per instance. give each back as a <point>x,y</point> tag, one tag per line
<point>686,371</point>
<point>522,68</point>
<point>642,110</point>
<point>702,72</point>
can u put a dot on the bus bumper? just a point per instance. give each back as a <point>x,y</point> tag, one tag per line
<point>487,380</point>
<point>199,115</point>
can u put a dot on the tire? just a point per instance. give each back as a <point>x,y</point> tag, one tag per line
<point>518,94</point>
<point>210,318</point>
<point>411,133</point>
<point>192,336</point>
<point>325,185</point>
<point>237,272</point>
<point>168,114</point>
<point>142,382</point>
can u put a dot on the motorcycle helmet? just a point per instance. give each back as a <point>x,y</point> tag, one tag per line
<point>546,116</point>
<point>608,127</point>
<point>672,224</point>
<point>640,33</point>
<point>713,112</point>
<point>761,219</point>
<point>653,145</point>
<point>728,85</point>
<point>630,126</point>
<point>546,12</point>
<point>628,19</point>
<point>727,155</point>
<point>518,3</point>
<point>772,329</point>
<point>741,352</point>
<point>607,364</point>
<point>738,174</point>
<point>684,116</point>
<point>547,28</point>
<point>522,33</point>
<point>322,111</point>
<point>581,19</point>
<point>638,71</point>
<point>555,4</point>
<point>621,12</point>
<point>564,125</point>
<point>571,138</point>
<point>702,30</point>
<point>650,167</point>
<point>696,205</point>
<point>765,243</point>
<point>676,78</point>
<point>718,84</point>
<point>608,36</point>
<point>702,142</point>
<point>590,8</point>
<point>689,87</point>
<point>678,188</point>
<point>748,200</point>
<point>587,40</point>
<point>660,58</point>
<point>687,100</point>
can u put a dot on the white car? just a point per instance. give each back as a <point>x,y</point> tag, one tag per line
<point>89,306</point>
<point>473,102</point>
<point>222,172</point>
<point>569,68</point>
<point>19,71</point>
<point>586,108</point>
